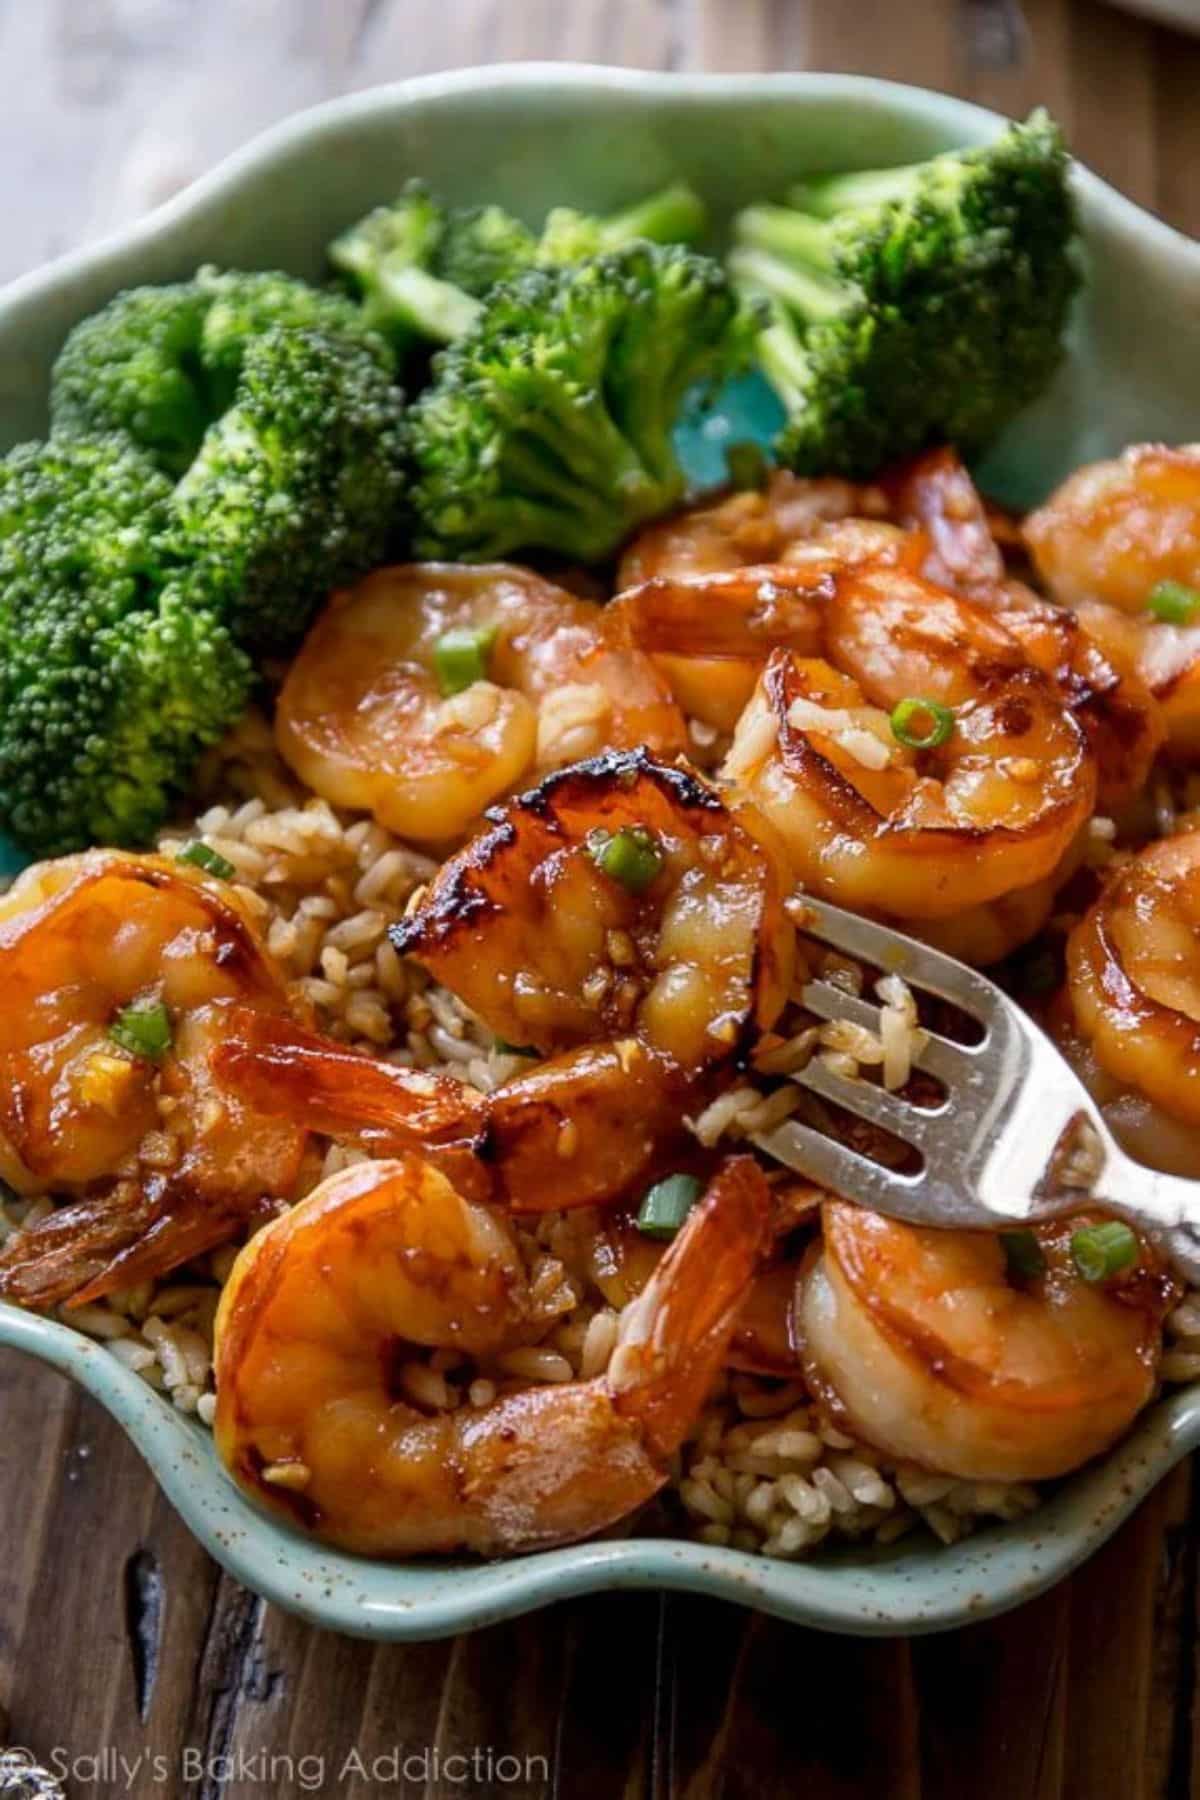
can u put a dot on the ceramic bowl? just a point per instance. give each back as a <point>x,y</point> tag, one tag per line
<point>530,137</point>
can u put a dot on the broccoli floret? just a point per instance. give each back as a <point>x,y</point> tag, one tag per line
<point>296,487</point>
<point>136,367</point>
<point>84,511</point>
<point>480,246</point>
<point>244,304</point>
<point>161,363</point>
<point>913,305</point>
<point>388,259</point>
<point>549,425</point>
<point>109,687</point>
<point>675,215</point>
<point>421,268</point>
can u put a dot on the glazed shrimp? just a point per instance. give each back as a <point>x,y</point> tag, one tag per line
<point>791,519</point>
<point>1133,975</point>
<point>750,527</point>
<point>1150,1135</point>
<point>920,1343</point>
<point>1103,542</point>
<point>364,720</point>
<point>165,1160</point>
<point>622,1259</point>
<point>313,1322</point>
<point>583,1129</point>
<point>934,494</point>
<point>1161,657</point>
<point>1099,677</point>
<point>621,898</point>
<point>994,810</point>
<point>1115,529</point>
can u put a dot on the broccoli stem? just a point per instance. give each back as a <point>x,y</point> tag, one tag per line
<point>783,359</point>
<point>675,215</point>
<point>589,449</point>
<point>812,296</point>
<point>781,231</point>
<point>825,196</point>
<point>418,302</point>
<point>529,461</point>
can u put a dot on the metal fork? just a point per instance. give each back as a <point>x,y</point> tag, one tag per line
<point>1016,1138</point>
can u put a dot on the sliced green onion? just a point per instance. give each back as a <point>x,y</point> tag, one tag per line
<point>143,1030</point>
<point>630,856</point>
<point>748,465</point>
<point>460,657</point>
<point>211,861</point>
<point>667,1205</point>
<point>922,724</point>
<point>1174,602</point>
<point>502,1047</point>
<point>1023,1254</point>
<point>1103,1250</point>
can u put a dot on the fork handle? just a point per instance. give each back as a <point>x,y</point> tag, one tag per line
<point>1164,1207</point>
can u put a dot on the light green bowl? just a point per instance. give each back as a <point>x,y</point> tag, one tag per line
<point>530,137</point>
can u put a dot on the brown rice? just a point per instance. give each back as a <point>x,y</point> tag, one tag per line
<point>762,1470</point>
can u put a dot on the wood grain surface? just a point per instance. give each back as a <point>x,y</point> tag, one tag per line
<point>119,1640</point>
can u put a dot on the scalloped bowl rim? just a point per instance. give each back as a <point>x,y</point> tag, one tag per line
<point>862,1591</point>
<point>276,141</point>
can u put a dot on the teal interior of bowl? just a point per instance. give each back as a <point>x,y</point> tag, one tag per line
<point>530,138</point>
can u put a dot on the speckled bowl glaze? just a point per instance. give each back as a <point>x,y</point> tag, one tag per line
<point>532,136</point>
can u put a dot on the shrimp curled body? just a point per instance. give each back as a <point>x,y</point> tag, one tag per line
<point>1133,969</point>
<point>791,518</point>
<point>871,824</point>
<point>1102,543</point>
<point>528,929</point>
<point>164,1159</point>
<point>318,1310</point>
<point>364,720</point>
<point>919,1341</point>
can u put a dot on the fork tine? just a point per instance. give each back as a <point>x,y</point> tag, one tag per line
<point>904,956</point>
<point>866,1101</point>
<point>940,1056</point>
<point>828,1001</point>
<point>835,1166</point>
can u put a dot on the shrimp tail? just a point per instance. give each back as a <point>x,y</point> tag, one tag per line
<point>109,1240</point>
<point>675,1336</point>
<point>67,1252</point>
<point>283,1068</point>
<point>579,1130</point>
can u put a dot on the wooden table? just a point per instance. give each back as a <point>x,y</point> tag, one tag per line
<point>118,1637</point>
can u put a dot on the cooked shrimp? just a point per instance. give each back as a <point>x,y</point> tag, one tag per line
<point>866,821</point>
<point>1103,542</point>
<point>580,1130</point>
<point>1101,681</point>
<point>1133,969</point>
<point>987,933</point>
<point>934,494</point>
<point>622,1259</point>
<point>364,719</point>
<point>794,520</point>
<point>754,527</point>
<point>1149,1134</point>
<point>312,1327</point>
<point>167,1161</point>
<point>922,1345</point>
<point>1162,657</point>
<point>620,898</point>
<point>1113,530</point>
